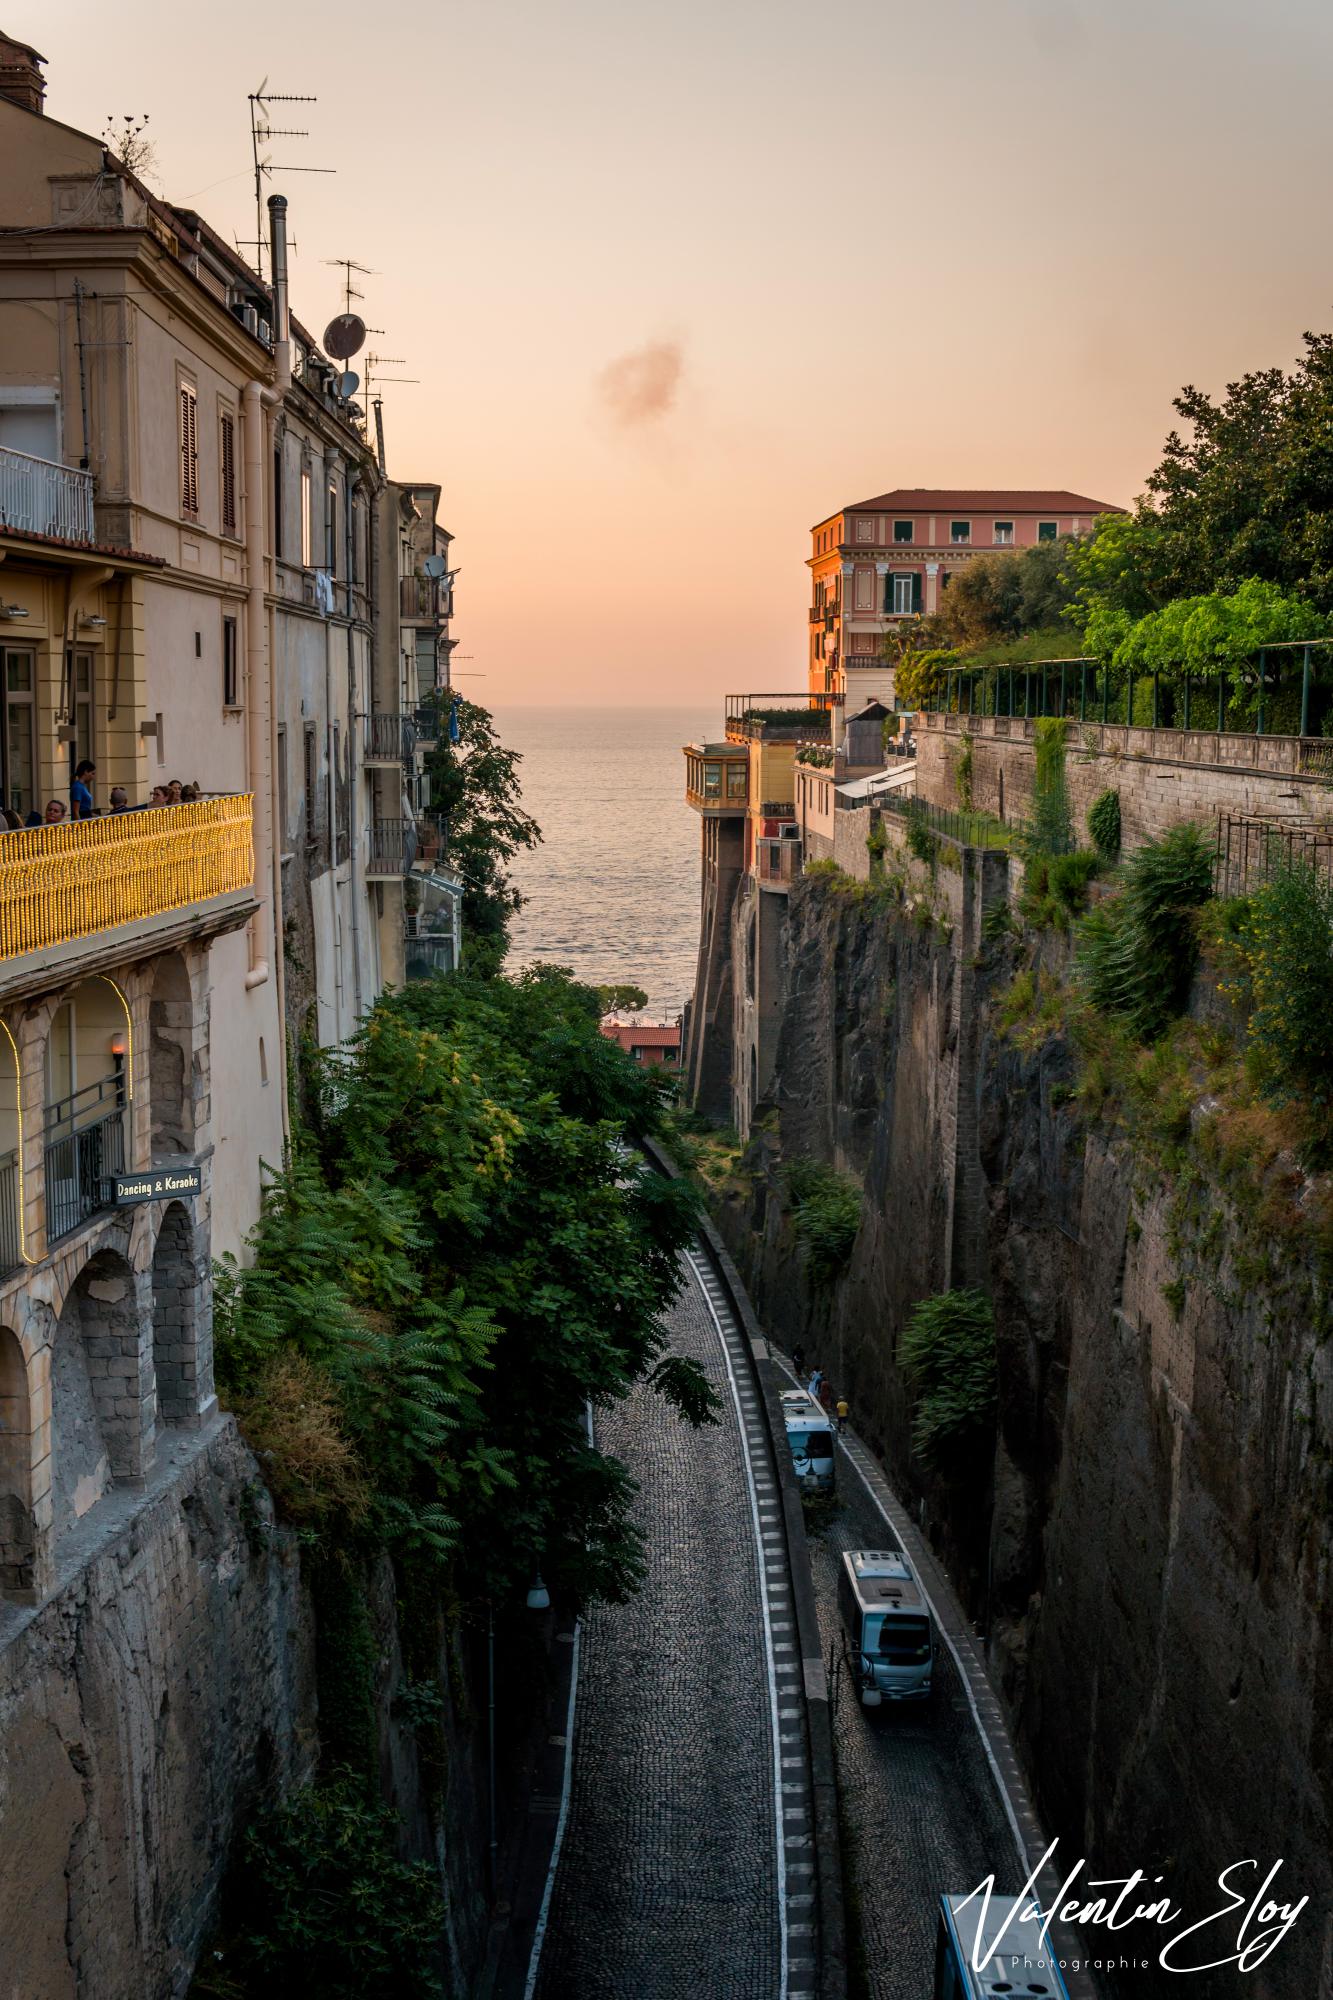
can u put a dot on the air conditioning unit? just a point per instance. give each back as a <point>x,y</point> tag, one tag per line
<point>249,319</point>
<point>265,332</point>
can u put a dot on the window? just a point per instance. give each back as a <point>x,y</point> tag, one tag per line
<point>1004,533</point>
<point>17,743</point>
<point>230,664</point>
<point>906,593</point>
<point>712,781</point>
<point>737,775</point>
<point>331,531</point>
<point>189,448</point>
<point>307,519</point>
<point>278,549</point>
<point>30,423</point>
<point>1048,531</point>
<point>227,453</point>
<point>81,712</point>
<point>903,531</point>
<point>282,789</point>
<point>960,531</point>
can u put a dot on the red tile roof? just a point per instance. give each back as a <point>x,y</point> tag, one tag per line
<point>57,543</point>
<point>643,1037</point>
<point>985,500</point>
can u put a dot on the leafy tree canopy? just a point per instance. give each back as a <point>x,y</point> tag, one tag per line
<point>475,782</point>
<point>621,999</point>
<point>468,1254</point>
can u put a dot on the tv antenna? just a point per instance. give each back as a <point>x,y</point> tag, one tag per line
<point>373,363</point>
<point>262,129</point>
<point>347,265</point>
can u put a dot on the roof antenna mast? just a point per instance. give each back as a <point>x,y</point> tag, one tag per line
<point>262,129</point>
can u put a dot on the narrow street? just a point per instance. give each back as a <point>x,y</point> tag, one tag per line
<point>668,1882</point>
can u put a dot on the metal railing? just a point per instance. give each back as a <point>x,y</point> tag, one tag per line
<point>968,829</point>
<point>389,739</point>
<point>426,726</point>
<point>781,717</point>
<point>84,1149</point>
<point>63,882</point>
<point>777,809</point>
<point>419,597</point>
<point>1252,847</point>
<point>39,498</point>
<point>11,1235</point>
<point>397,846</point>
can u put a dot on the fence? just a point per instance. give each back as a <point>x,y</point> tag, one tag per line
<point>968,829</point>
<point>63,882</point>
<point>11,1252</point>
<point>1250,848</point>
<point>85,1147</point>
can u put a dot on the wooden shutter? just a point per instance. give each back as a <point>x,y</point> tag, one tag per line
<point>189,446</point>
<point>916,590</point>
<point>228,474</point>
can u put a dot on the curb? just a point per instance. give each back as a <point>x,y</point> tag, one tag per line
<point>818,1712</point>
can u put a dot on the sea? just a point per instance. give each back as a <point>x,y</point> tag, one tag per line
<point>613,890</point>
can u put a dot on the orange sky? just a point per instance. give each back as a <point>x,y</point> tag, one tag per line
<point>677,281</point>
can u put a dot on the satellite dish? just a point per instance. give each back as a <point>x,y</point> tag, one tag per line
<point>348,384</point>
<point>433,566</point>
<point>345,336</point>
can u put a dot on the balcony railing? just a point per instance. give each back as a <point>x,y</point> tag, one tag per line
<point>58,883</point>
<point>85,1149</point>
<point>39,498</point>
<point>419,597</point>
<point>397,846</point>
<point>11,1238</point>
<point>777,861</point>
<point>389,739</point>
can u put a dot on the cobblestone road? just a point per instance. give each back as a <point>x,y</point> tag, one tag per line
<point>666,1886</point>
<point>920,1810</point>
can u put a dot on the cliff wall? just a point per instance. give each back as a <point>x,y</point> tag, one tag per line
<point>1149,1544</point>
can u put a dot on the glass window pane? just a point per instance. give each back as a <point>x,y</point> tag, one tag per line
<point>18,671</point>
<point>20,774</point>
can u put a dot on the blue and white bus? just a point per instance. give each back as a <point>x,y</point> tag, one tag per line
<point>809,1438</point>
<point>1017,1965</point>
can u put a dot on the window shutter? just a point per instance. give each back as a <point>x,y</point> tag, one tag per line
<point>916,590</point>
<point>189,439</point>
<point>228,476</point>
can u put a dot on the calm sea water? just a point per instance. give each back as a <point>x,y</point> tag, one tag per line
<point>613,891</point>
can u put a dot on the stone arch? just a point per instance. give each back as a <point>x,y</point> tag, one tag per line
<point>17,1539</point>
<point>102,1404</point>
<point>177,1315</point>
<point>171,1058</point>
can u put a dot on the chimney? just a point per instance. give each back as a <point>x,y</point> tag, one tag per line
<point>282,315</point>
<point>21,79</point>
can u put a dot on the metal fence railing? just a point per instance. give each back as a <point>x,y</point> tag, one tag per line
<point>388,739</point>
<point>1251,848</point>
<point>84,1149</point>
<point>68,881</point>
<point>11,1234</point>
<point>39,498</point>
<point>968,829</point>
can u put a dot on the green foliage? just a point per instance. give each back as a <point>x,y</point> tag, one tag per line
<point>819,760</point>
<point>475,783</point>
<point>919,672</point>
<point>947,1352</point>
<point>1285,938</point>
<point>465,1250</point>
<point>621,999</point>
<point>1000,596</point>
<point>890,729</point>
<point>1137,951</point>
<point>826,1215</point>
<point>1055,886</point>
<point>319,1903</point>
<point>962,772</point>
<point>1051,827</point>
<point>1221,632</point>
<point>1104,823</point>
<point>921,840</point>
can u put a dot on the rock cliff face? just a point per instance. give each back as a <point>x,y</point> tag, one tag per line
<point>1151,1547</point>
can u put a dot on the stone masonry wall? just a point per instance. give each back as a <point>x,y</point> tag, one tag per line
<point>143,1709</point>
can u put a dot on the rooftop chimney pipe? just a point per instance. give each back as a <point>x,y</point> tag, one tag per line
<point>282,332</point>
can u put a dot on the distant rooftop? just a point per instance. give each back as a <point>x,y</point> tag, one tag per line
<point>978,500</point>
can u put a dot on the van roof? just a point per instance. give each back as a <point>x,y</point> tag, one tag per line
<point>799,1407</point>
<point>883,1580</point>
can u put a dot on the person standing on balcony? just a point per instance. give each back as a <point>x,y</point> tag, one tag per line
<point>80,796</point>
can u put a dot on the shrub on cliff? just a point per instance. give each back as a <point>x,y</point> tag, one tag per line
<point>1051,828</point>
<point>1285,938</point>
<point>826,1215</point>
<point>1104,823</point>
<point>947,1353</point>
<point>1138,950</point>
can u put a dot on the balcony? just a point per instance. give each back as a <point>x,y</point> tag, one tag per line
<point>59,884</point>
<point>777,863</point>
<point>389,739</point>
<point>420,599</point>
<point>432,933</point>
<point>398,846</point>
<point>426,727</point>
<point>717,779</point>
<point>780,718</point>
<point>85,1149</point>
<point>39,498</point>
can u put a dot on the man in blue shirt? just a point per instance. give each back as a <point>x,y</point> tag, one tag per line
<point>80,797</point>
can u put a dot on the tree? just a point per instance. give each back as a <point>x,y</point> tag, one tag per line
<point>1222,632</point>
<point>475,783</point>
<point>622,999</point>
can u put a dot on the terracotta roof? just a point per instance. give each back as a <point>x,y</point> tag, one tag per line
<point>647,1036</point>
<point>985,500</point>
<point>65,542</point>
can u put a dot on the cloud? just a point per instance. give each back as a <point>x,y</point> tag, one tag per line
<point>641,387</point>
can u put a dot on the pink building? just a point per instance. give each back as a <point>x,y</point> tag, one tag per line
<point>893,557</point>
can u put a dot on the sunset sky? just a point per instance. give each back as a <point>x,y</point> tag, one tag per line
<point>678,280</point>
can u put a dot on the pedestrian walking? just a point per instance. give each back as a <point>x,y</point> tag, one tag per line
<point>798,1361</point>
<point>815,1383</point>
<point>825,1393</point>
<point>80,797</point>
<point>843,1414</point>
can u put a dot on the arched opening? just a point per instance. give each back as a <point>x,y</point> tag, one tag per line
<point>16,1530</point>
<point>171,1059</point>
<point>86,1136</point>
<point>175,1318</point>
<point>101,1390</point>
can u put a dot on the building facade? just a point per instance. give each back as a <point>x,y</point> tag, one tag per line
<point>890,558</point>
